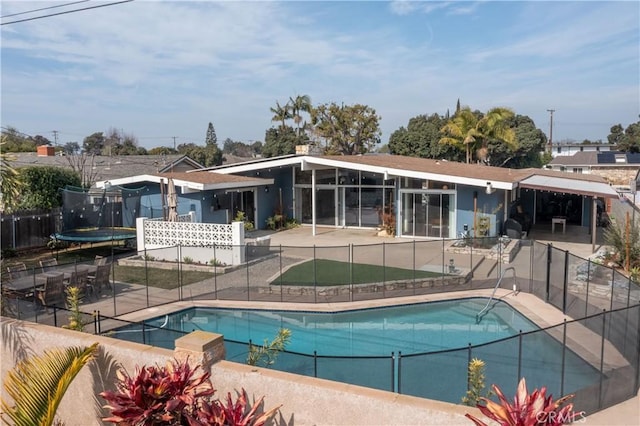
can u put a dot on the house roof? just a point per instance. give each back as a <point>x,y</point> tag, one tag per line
<point>110,168</point>
<point>194,181</point>
<point>603,158</point>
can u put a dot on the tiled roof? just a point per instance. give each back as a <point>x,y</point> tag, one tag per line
<point>452,168</point>
<point>593,158</point>
<point>110,168</point>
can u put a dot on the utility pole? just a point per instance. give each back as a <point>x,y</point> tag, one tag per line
<point>174,142</point>
<point>55,137</point>
<point>551,111</point>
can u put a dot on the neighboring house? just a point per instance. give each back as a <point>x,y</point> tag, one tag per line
<point>426,198</point>
<point>568,149</point>
<point>106,168</point>
<point>617,168</point>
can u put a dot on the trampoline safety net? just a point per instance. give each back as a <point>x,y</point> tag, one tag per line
<point>99,215</point>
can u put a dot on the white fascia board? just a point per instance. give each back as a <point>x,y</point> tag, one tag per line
<point>128,180</point>
<point>243,168</point>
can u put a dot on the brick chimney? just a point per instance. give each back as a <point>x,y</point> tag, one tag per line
<point>46,151</point>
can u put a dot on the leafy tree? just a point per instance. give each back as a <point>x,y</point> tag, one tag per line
<point>282,141</point>
<point>348,130</point>
<point>630,141</point>
<point>162,150</point>
<point>530,141</point>
<point>208,156</point>
<point>211,139</point>
<point>94,143</point>
<point>281,114</point>
<point>10,183</point>
<point>41,140</point>
<point>37,384</point>
<point>421,138</point>
<point>14,141</point>
<point>71,148</point>
<point>616,135</point>
<point>472,132</point>
<point>42,186</point>
<point>301,103</point>
<point>241,149</point>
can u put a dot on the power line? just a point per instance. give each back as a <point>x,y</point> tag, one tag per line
<point>66,12</point>
<point>43,8</point>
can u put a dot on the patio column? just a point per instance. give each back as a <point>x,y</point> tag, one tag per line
<point>594,216</point>
<point>313,202</point>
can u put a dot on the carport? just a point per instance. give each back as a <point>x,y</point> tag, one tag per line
<point>590,187</point>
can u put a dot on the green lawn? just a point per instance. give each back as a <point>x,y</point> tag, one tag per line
<point>332,272</point>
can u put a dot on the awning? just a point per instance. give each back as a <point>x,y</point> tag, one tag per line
<point>569,186</point>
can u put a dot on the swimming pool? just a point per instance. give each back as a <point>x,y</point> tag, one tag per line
<point>418,349</point>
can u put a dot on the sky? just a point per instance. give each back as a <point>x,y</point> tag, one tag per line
<point>162,70</point>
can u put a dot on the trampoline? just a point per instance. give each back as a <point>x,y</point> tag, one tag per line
<point>95,216</point>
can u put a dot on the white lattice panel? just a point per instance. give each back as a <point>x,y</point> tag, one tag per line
<point>187,234</point>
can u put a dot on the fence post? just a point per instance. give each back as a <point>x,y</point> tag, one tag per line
<point>315,278</point>
<point>280,259</point>
<point>393,379</point>
<point>564,349</point>
<point>586,300</point>
<point>350,272</point>
<point>146,275</point>
<point>315,364</point>
<point>548,284</point>
<point>566,282</point>
<point>637,378</point>
<point>246,258</point>
<point>384,270</point>
<point>414,267</point>
<point>604,320</point>
<point>215,271</point>
<point>519,357</point>
<point>468,363</point>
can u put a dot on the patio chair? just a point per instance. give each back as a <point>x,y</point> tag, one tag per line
<point>80,279</point>
<point>17,270</point>
<point>101,279</point>
<point>53,291</point>
<point>48,265</point>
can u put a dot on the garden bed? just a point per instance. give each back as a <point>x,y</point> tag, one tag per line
<point>504,249</point>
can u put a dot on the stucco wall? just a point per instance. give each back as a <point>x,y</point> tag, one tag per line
<point>305,400</point>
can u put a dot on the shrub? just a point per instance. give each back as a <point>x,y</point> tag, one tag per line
<point>269,351</point>
<point>527,409</point>
<point>188,260</point>
<point>216,262</point>
<point>174,395</point>
<point>623,239</point>
<point>76,321</point>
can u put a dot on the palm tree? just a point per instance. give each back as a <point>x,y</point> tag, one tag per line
<point>301,103</point>
<point>461,131</point>
<point>281,113</point>
<point>466,131</point>
<point>37,384</point>
<point>10,183</point>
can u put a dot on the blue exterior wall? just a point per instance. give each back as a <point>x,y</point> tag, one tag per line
<point>486,204</point>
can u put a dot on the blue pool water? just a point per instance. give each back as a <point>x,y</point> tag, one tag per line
<point>409,329</point>
<point>436,340</point>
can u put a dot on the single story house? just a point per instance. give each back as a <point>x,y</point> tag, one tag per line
<point>424,197</point>
<point>616,167</point>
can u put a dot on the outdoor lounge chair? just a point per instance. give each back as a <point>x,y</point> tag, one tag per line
<point>48,265</point>
<point>101,279</point>
<point>53,291</point>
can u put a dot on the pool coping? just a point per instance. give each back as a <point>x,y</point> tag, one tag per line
<point>544,315</point>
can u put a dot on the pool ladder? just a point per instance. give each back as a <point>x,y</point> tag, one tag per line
<point>483,310</point>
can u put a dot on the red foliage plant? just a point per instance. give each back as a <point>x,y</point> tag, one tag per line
<point>527,409</point>
<point>173,395</point>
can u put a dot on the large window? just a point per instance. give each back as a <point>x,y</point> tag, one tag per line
<point>428,214</point>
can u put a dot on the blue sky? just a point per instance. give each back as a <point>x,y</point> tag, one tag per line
<point>159,69</point>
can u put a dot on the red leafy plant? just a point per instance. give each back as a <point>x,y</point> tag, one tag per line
<point>527,409</point>
<point>174,395</point>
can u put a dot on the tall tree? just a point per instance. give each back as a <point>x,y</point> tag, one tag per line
<point>94,143</point>
<point>281,114</point>
<point>421,139</point>
<point>301,103</point>
<point>208,156</point>
<point>472,132</point>
<point>15,141</point>
<point>211,139</point>
<point>616,134</point>
<point>530,143</point>
<point>348,130</point>
<point>282,141</point>
<point>630,140</point>
<point>84,165</point>
<point>71,148</point>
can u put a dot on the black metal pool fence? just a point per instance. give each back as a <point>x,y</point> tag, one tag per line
<point>604,302</point>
